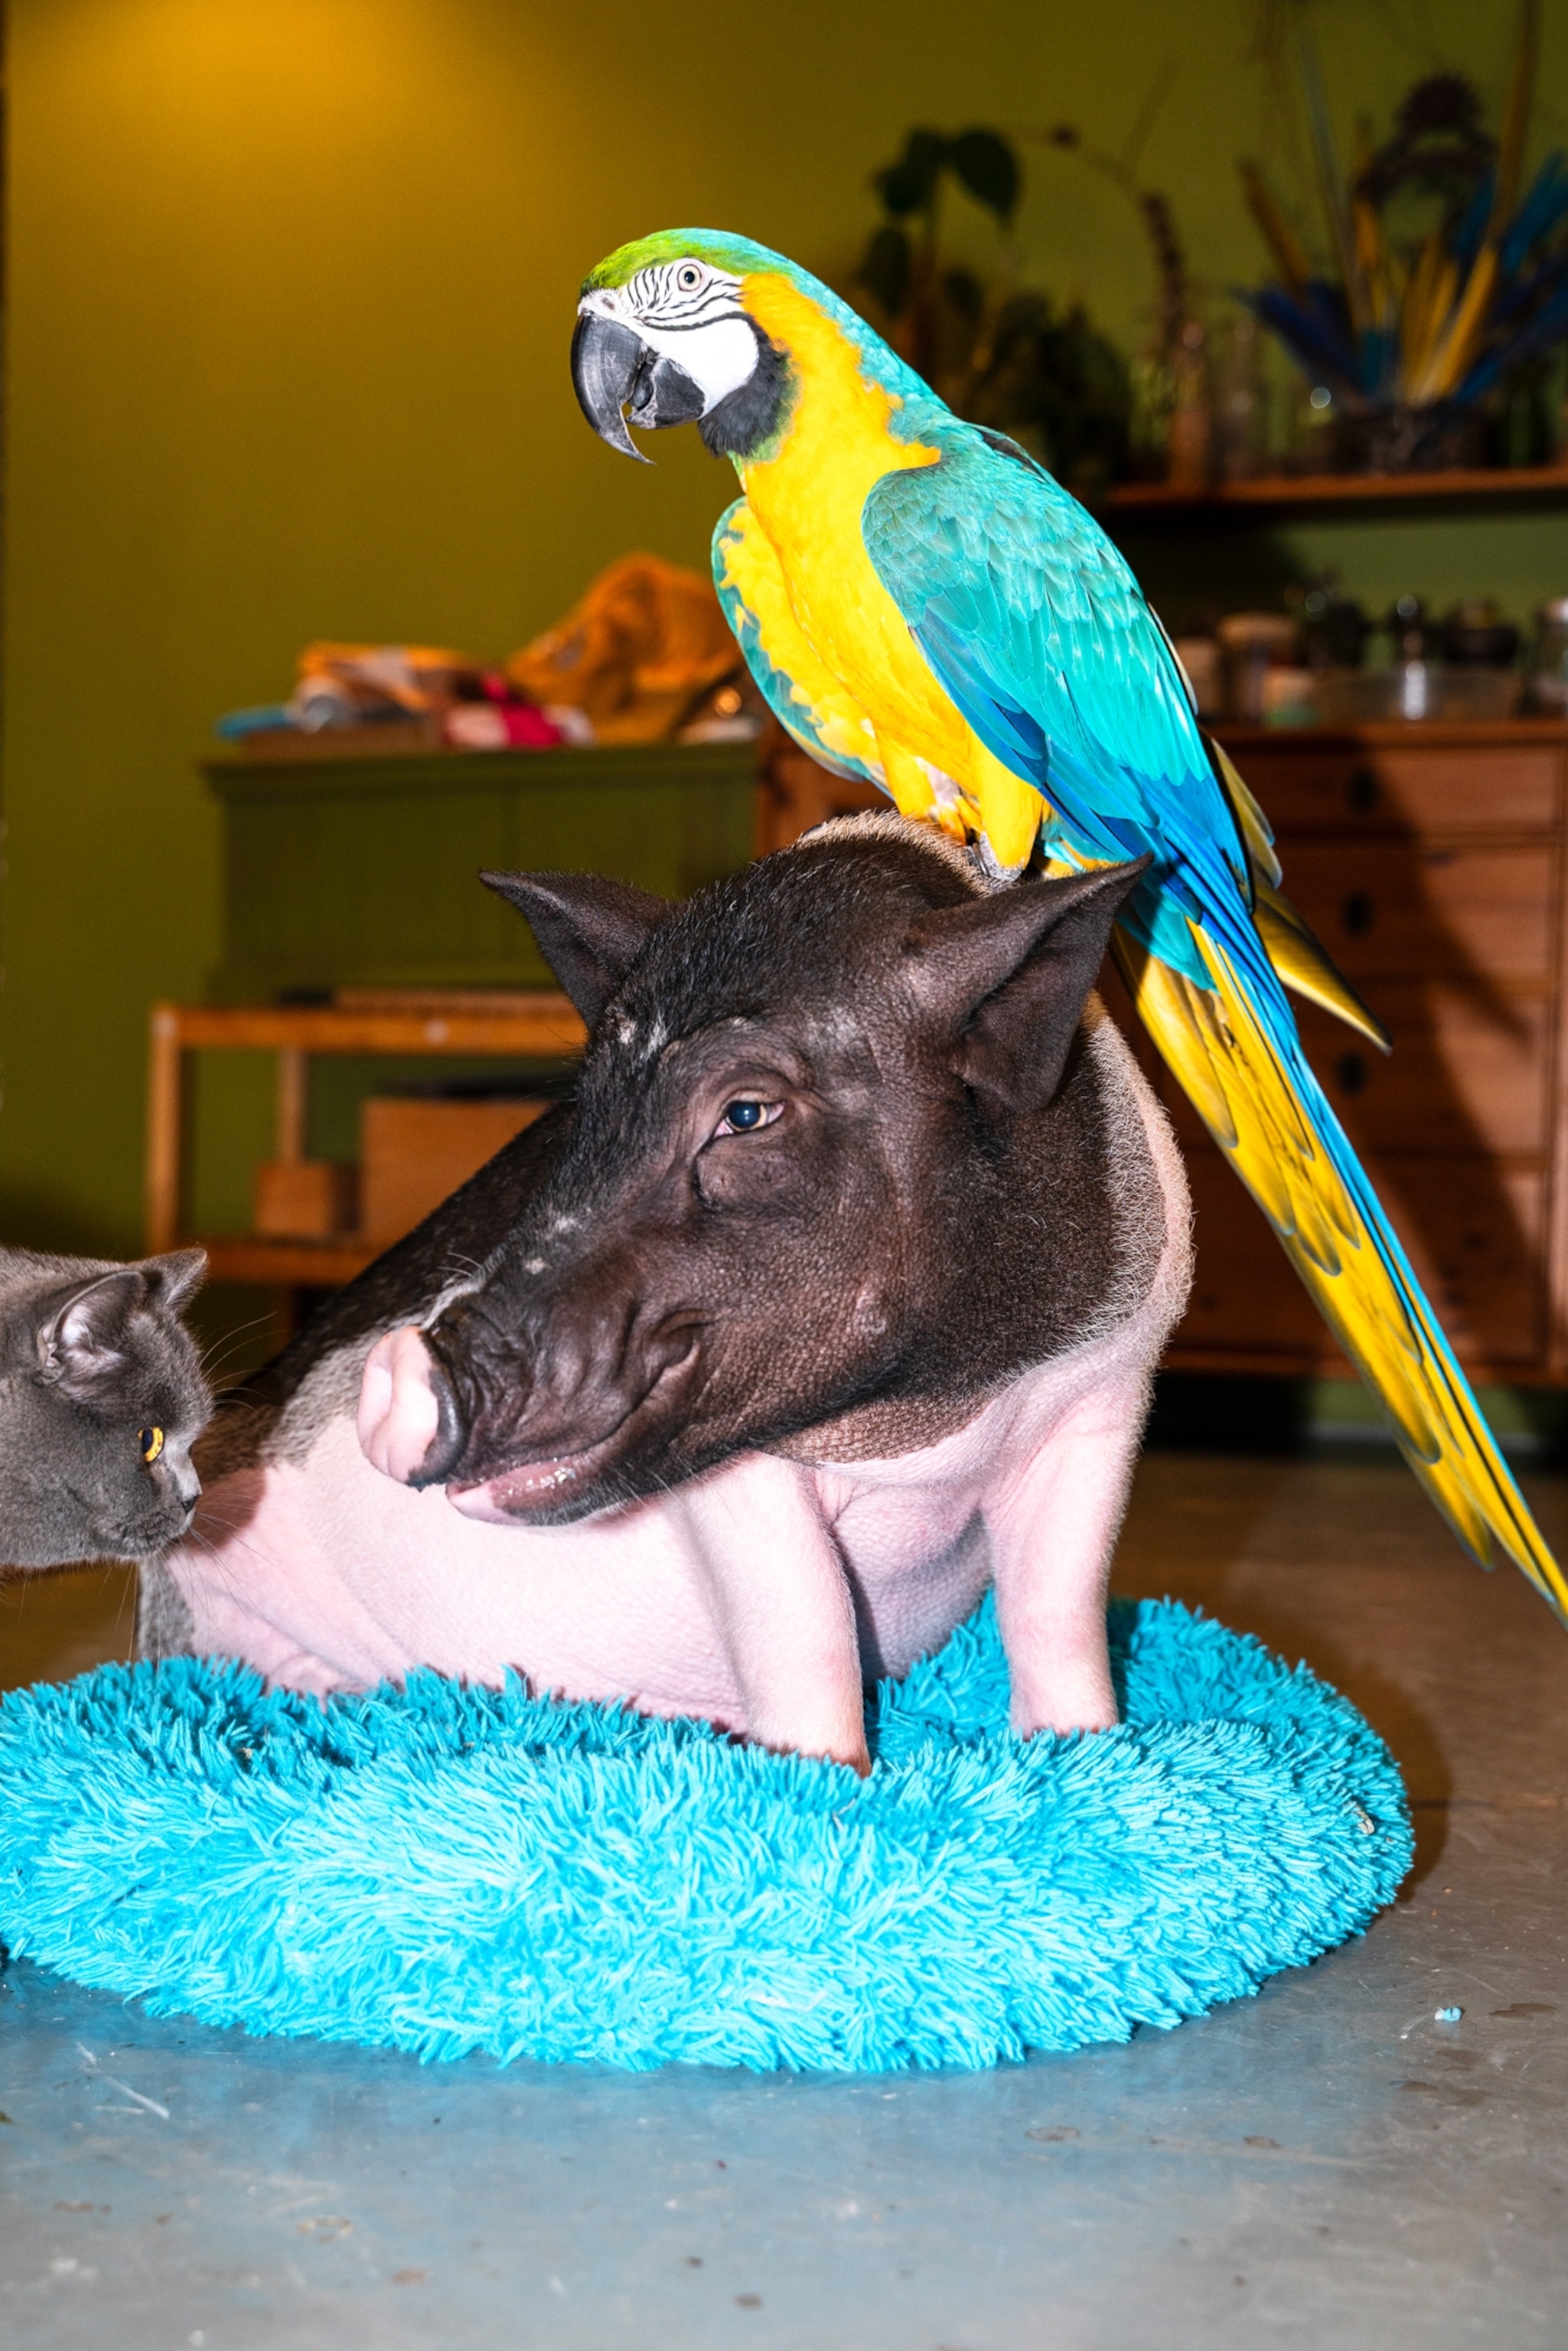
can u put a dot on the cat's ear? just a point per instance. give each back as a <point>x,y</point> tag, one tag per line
<point>83,1345</point>
<point>171,1279</point>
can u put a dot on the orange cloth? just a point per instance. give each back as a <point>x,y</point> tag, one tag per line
<point>646,644</point>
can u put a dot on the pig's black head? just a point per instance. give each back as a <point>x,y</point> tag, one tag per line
<point>835,1153</point>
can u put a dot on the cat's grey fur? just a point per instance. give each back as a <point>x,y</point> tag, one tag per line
<point>94,1358</point>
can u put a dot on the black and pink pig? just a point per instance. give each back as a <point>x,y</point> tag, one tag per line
<point>830,1299</point>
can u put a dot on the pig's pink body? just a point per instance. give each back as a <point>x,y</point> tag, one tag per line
<point>757,1596</point>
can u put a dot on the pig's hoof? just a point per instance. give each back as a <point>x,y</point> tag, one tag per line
<point>400,1415</point>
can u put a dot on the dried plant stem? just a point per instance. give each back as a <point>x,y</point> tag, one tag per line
<point>1173,294</point>
<point>1290,254</point>
<point>1330,183</point>
<point>1515,120</point>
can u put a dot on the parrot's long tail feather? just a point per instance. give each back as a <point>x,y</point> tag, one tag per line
<point>1263,1106</point>
<point>1301,960</point>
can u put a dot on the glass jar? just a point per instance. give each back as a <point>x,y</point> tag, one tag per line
<point>1251,644</point>
<point>1549,659</point>
<point>1241,421</point>
<point>1189,435</point>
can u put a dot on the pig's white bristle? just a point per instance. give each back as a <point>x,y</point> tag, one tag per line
<point>878,824</point>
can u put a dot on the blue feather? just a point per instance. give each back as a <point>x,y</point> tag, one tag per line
<point>1543,208</point>
<point>1541,336</point>
<point>1473,220</point>
<point>1312,331</point>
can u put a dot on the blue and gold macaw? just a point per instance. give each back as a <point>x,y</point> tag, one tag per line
<point>924,606</point>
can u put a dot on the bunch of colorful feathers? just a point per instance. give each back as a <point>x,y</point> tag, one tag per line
<point>1439,320</point>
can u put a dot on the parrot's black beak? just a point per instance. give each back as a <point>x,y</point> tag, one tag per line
<point>613,370</point>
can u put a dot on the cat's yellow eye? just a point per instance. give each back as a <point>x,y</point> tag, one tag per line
<point>151,1443</point>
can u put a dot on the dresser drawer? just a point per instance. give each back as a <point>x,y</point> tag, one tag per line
<point>1475,1235</point>
<point>1333,788</point>
<point>1245,1295</point>
<point>1468,1072</point>
<point>1411,911</point>
<point>1476,1239</point>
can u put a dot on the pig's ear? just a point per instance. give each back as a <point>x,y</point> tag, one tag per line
<point>590,932</point>
<point>1008,976</point>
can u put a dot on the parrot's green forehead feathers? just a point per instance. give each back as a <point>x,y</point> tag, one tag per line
<point>736,255</point>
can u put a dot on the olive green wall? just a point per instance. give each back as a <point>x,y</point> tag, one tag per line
<point>292,285</point>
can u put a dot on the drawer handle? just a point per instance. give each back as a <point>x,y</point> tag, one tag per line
<point>1352,1072</point>
<point>1362,791</point>
<point>1356,914</point>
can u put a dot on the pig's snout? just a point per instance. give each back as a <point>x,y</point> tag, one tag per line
<point>408,1422</point>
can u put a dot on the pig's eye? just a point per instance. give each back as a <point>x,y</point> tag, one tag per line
<point>745,1117</point>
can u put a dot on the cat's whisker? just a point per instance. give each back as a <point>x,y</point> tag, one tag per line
<point>219,1350</point>
<point>128,1599</point>
<point>209,1519</point>
<point>219,1555</point>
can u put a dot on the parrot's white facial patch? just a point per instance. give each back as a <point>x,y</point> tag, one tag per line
<point>691,314</point>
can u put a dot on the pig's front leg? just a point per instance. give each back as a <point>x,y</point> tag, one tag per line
<point>1053,1533</point>
<point>782,1604</point>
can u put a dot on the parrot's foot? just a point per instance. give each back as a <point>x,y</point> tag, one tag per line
<point>989,865</point>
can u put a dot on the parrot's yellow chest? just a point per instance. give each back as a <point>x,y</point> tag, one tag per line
<point>807,500</point>
<point>799,554</point>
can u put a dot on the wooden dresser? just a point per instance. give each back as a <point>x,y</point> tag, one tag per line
<point>1429,861</point>
<point>352,866</point>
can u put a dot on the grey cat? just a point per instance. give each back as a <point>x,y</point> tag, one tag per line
<point>101,1397</point>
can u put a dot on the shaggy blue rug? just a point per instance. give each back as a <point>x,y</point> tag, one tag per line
<point>449,1869</point>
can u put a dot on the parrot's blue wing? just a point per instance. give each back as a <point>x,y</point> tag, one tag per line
<point>811,707</point>
<point>1038,630</point>
<point>1035,628</point>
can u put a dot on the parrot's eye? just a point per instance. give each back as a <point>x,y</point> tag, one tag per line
<point>150,1440</point>
<point>745,1117</point>
<point>688,278</point>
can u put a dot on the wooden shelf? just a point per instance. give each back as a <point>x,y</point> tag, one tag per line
<point>537,1024</point>
<point>540,1024</point>
<point>1489,489</point>
<point>283,1265</point>
<point>1392,734</point>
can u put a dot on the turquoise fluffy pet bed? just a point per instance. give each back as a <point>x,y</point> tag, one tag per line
<point>448,1870</point>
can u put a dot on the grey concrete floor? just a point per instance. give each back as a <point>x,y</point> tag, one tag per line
<point>1324,2166</point>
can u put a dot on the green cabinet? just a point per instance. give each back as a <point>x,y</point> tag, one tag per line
<point>343,871</point>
